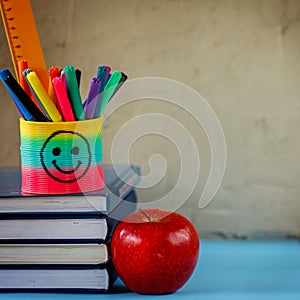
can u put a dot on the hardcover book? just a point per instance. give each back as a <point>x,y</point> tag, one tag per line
<point>12,200</point>
<point>54,227</point>
<point>54,254</point>
<point>56,278</point>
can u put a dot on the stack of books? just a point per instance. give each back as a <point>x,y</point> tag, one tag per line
<point>60,243</point>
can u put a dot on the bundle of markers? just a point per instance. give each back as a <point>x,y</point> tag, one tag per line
<point>61,100</point>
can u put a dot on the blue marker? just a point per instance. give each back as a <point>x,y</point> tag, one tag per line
<point>23,112</point>
<point>27,108</point>
<point>103,75</point>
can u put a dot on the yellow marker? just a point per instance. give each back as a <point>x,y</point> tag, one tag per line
<point>43,97</point>
<point>22,36</point>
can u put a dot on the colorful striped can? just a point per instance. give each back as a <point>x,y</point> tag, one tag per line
<point>61,157</point>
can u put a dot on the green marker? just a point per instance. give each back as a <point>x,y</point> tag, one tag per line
<point>109,89</point>
<point>74,94</point>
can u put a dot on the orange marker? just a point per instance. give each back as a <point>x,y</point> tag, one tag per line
<point>22,66</point>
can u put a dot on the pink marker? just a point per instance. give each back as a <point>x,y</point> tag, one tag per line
<point>108,68</point>
<point>63,99</point>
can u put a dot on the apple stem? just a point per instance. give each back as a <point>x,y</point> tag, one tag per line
<point>144,213</point>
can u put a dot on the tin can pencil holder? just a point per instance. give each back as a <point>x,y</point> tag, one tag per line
<point>61,157</point>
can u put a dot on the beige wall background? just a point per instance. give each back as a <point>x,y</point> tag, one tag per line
<point>242,56</point>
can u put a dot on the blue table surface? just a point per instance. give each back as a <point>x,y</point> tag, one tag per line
<point>226,270</point>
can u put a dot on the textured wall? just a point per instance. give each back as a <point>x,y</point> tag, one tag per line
<point>242,56</point>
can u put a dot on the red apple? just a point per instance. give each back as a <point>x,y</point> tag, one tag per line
<point>154,251</point>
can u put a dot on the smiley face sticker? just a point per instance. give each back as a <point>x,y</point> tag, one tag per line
<point>66,156</point>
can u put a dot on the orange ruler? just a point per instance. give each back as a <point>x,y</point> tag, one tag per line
<point>22,36</point>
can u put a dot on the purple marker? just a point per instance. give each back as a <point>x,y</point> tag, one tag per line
<point>64,80</point>
<point>92,99</point>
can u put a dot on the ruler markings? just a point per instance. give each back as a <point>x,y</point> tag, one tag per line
<point>23,37</point>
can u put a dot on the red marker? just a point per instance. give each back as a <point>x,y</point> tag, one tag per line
<point>53,72</point>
